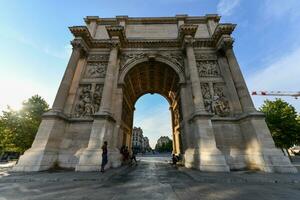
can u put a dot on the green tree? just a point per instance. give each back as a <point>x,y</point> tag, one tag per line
<point>165,147</point>
<point>281,119</point>
<point>18,128</point>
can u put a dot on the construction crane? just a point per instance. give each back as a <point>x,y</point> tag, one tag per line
<point>277,93</point>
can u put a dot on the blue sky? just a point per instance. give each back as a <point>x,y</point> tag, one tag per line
<point>35,46</point>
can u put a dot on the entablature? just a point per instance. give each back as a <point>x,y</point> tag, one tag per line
<point>189,27</point>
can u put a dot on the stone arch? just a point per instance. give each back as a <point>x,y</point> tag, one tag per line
<point>151,76</point>
<point>146,58</point>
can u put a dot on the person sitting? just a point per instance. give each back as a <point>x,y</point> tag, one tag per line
<point>174,159</point>
<point>126,155</point>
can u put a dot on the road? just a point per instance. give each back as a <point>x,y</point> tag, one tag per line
<point>152,178</point>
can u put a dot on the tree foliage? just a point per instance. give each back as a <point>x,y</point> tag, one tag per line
<point>18,128</point>
<point>165,147</point>
<point>283,123</point>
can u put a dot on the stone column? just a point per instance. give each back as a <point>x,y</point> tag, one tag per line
<point>260,151</point>
<point>237,76</point>
<point>106,100</point>
<point>104,124</point>
<point>225,71</point>
<point>45,148</point>
<point>79,47</point>
<point>202,152</point>
<point>173,129</point>
<point>75,84</point>
<point>186,109</point>
<point>194,77</point>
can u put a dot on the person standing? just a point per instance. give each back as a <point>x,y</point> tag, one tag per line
<point>104,156</point>
<point>174,159</point>
<point>133,157</point>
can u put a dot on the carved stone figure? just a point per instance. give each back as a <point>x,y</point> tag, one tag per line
<point>176,117</point>
<point>176,58</point>
<point>97,97</point>
<point>88,101</point>
<point>208,68</point>
<point>220,103</point>
<point>206,97</point>
<point>96,70</point>
<point>128,58</point>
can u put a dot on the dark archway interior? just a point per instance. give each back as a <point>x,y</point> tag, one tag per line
<point>151,77</point>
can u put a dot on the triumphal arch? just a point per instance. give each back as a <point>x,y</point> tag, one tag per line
<point>188,60</point>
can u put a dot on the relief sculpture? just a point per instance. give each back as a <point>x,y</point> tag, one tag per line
<point>95,70</point>
<point>128,58</point>
<point>217,102</point>
<point>88,100</point>
<point>176,117</point>
<point>206,97</point>
<point>208,68</point>
<point>220,103</point>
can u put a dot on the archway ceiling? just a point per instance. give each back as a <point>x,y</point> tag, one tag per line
<point>151,77</point>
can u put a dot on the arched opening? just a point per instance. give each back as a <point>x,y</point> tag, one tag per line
<point>152,121</point>
<point>151,77</point>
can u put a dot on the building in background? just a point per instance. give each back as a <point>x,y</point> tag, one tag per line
<point>139,142</point>
<point>146,144</point>
<point>164,144</point>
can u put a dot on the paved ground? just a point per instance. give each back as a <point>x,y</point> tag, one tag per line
<point>152,178</point>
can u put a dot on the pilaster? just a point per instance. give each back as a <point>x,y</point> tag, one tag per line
<point>260,152</point>
<point>225,43</point>
<point>202,152</point>
<point>92,23</point>
<point>44,151</point>
<point>104,125</point>
<point>79,49</point>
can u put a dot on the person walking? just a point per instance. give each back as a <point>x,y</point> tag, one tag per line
<point>133,157</point>
<point>104,156</point>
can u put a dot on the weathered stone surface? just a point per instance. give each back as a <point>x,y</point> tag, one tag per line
<point>153,178</point>
<point>188,60</point>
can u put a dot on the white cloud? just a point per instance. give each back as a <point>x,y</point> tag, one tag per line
<point>226,7</point>
<point>279,8</point>
<point>282,74</point>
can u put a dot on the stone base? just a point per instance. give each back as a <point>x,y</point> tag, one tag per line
<point>36,160</point>
<point>236,159</point>
<point>209,161</point>
<point>91,159</point>
<point>270,160</point>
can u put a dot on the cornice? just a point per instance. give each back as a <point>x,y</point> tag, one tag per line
<point>82,32</point>
<point>213,17</point>
<point>153,20</point>
<point>223,29</point>
<point>188,29</point>
<point>79,43</point>
<point>116,33</point>
<point>89,19</point>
